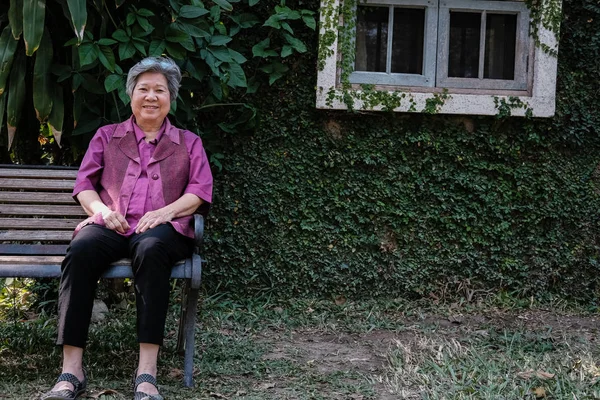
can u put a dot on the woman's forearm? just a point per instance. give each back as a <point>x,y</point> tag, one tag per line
<point>184,206</point>
<point>91,202</point>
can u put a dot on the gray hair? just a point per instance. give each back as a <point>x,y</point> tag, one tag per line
<point>163,65</point>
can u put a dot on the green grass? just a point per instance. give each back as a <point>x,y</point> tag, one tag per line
<point>260,348</point>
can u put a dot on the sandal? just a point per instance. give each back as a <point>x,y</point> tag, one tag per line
<point>66,394</point>
<point>145,378</point>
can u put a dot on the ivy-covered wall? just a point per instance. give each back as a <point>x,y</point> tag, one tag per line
<point>380,204</point>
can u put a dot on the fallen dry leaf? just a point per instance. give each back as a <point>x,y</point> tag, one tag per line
<point>539,392</point>
<point>340,300</point>
<point>175,373</point>
<point>105,392</point>
<point>266,386</point>
<point>217,395</point>
<point>538,374</point>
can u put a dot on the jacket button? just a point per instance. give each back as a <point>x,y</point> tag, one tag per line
<point>155,176</point>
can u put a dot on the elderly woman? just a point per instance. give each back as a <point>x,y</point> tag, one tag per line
<point>140,182</point>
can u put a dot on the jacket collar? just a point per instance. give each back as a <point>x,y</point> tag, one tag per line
<point>126,127</point>
<point>128,143</point>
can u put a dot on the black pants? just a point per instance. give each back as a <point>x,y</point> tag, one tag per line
<point>152,253</point>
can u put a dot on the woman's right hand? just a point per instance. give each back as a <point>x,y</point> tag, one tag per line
<point>115,221</point>
<point>93,206</point>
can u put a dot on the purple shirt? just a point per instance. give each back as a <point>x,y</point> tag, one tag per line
<point>137,188</point>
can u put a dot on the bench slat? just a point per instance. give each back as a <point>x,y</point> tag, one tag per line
<point>38,223</point>
<point>34,236</point>
<point>38,173</point>
<point>33,249</point>
<point>49,267</point>
<point>37,209</point>
<point>37,184</point>
<point>36,197</point>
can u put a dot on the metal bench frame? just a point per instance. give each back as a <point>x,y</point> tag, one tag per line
<point>37,218</point>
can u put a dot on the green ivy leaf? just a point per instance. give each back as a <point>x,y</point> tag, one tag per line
<point>252,3</point>
<point>295,43</point>
<point>88,53</point>
<point>140,45</point>
<point>287,27</point>
<point>219,40</point>
<point>221,53</point>
<point>192,12</point>
<point>273,22</point>
<point>224,4</point>
<point>113,82</point>
<point>144,12</point>
<point>144,24</point>
<point>130,20</point>
<point>286,51</point>
<point>237,57</point>
<point>106,42</point>
<point>237,77</point>
<point>275,70</point>
<point>120,36</point>
<point>245,20</point>
<point>126,50</point>
<point>261,49</point>
<point>287,13</point>
<point>309,21</point>
<point>188,44</point>
<point>157,47</point>
<point>174,35</point>
<point>192,30</point>
<point>107,58</point>
<point>176,51</point>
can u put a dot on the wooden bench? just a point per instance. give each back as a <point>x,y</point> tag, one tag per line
<point>37,219</point>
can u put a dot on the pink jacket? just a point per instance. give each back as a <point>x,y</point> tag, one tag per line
<point>111,167</point>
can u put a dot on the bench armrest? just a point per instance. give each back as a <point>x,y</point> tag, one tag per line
<point>198,231</point>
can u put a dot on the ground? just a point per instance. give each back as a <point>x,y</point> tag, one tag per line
<point>354,351</point>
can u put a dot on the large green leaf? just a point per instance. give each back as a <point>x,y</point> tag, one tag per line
<point>78,12</point>
<point>224,4</point>
<point>261,49</point>
<point>237,77</point>
<point>15,18</point>
<point>172,34</point>
<point>34,12</point>
<point>16,96</point>
<point>8,46</point>
<point>57,116</point>
<point>192,12</point>
<point>42,78</point>
<point>2,107</point>
<point>107,58</point>
<point>88,53</point>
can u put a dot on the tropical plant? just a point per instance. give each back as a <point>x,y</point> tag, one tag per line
<point>66,60</point>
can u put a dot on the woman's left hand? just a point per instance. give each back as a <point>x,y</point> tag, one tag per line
<point>152,219</point>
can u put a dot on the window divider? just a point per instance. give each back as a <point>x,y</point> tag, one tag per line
<point>482,43</point>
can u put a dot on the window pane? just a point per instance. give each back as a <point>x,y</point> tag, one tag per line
<point>500,43</point>
<point>463,59</point>
<point>407,42</point>
<point>371,39</point>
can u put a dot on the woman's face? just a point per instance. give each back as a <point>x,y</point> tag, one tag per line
<point>150,101</point>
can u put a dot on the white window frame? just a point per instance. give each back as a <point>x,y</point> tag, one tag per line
<point>521,46</point>
<point>427,78</point>
<point>538,96</point>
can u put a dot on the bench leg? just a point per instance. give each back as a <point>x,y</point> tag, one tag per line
<point>187,323</point>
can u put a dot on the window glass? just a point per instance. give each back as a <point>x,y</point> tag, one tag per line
<point>371,39</point>
<point>463,55</point>
<point>407,42</point>
<point>500,43</point>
